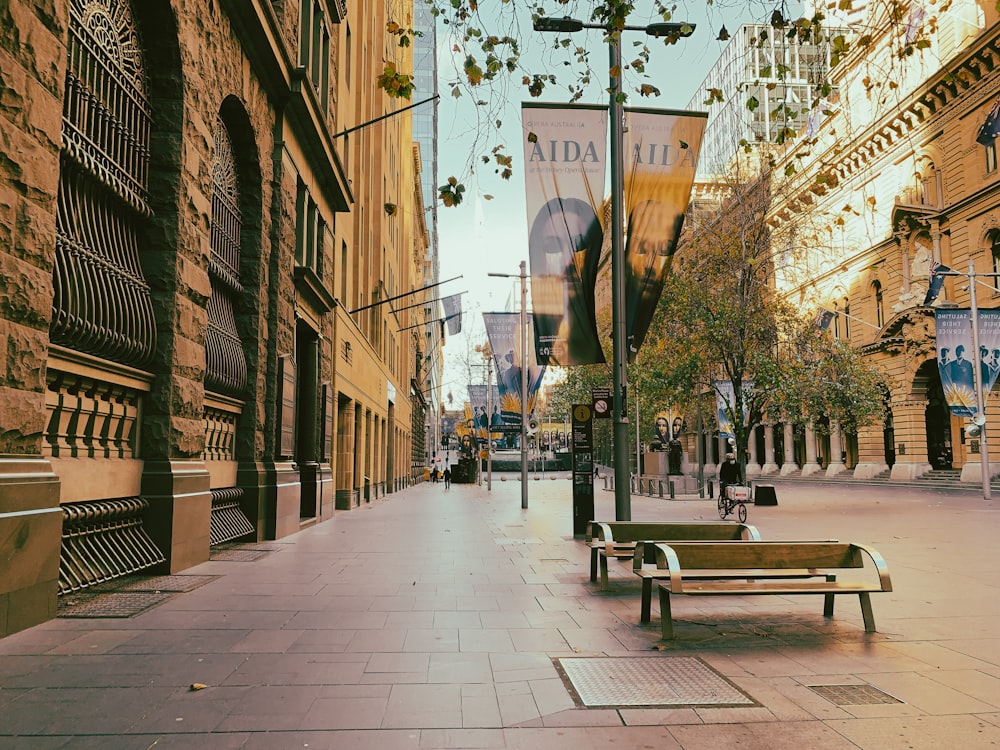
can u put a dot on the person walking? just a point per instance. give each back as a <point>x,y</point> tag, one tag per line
<point>447,477</point>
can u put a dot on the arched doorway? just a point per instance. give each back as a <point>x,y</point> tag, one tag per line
<point>937,419</point>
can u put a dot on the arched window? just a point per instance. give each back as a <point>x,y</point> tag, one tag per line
<point>836,320</point>
<point>847,319</point>
<point>995,251</point>
<point>879,303</point>
<point>226,367</point>
<point>101,301</point>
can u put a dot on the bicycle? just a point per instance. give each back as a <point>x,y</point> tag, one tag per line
<point>734,497</point>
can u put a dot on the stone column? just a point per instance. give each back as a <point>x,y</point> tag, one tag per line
<point>910,426</point>
<point>836,465</point>
<point>811,466</point>
<point>30,517</point>
<point>789,467</point>
<point>346,496</point>
<point>769,467</point>
<point>753,465</point>
<point>871,452</point>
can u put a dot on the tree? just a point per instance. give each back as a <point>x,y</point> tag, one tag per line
<point>720,321</point>
<point>493,57</point>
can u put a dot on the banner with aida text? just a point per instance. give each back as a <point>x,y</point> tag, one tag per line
<point>661,155</point>
<point>565,158</point>
<point>504,332</point>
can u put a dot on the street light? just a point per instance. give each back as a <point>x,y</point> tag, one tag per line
<point>623,498</point>
<point>523,276</point>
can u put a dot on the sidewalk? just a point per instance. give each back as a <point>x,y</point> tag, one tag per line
<point>441,619</point>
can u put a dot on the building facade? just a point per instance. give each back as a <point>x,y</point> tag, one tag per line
<point>892,179</point>
<point>199,226</point>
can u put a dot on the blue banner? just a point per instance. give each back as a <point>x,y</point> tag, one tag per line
<point>503,330</point>
<point>957,358</point>
<point>725,404</point>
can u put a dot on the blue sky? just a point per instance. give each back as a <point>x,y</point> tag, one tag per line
<point>490,235</point>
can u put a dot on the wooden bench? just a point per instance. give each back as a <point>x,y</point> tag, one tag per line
<point>749,568</point>
<point>618,539</point>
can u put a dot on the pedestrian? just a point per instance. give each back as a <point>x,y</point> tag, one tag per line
<point>447,477</point>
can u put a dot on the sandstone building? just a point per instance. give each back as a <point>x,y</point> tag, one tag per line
<point>191,218</point>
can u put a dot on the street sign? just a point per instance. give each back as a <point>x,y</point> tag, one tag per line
<point>601,402</point>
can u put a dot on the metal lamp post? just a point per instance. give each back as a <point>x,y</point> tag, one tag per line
<point>524,377</point>
<point>623,497</point>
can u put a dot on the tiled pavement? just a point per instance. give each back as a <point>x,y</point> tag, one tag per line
<point>435,619</point>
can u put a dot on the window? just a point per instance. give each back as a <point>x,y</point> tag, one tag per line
<point>101,302</point>
<point>343,272</point>
<point>879,304</point>
<point>226,367</point>
<point>847,319</point>
<point>310,231</point>
<point>314,48</point>
<point>995,251</point>
<point>991,157</point>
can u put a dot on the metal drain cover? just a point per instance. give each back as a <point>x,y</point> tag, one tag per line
<point>238,555</point>
<point>126,604</point>
<point>165,583</point>
<point>853,695</point>
<point>608,682</point>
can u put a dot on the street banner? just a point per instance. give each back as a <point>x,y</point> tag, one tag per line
<point>504,332</point>
<point>484,412</point>
<point>725,397</point>
<point>823,319</point>
<point>956,356</point>
<point>453,313</point>
<point>661,150</point>
<point>725,405</point>
<point>565,148</point>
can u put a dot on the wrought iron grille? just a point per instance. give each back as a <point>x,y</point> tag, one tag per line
<point>101,301</point>
<point>225,360</point>
<point>103,540</point>
<point>228,520</point>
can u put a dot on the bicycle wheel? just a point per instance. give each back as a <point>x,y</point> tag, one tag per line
<point>741,512</point>
<point>723,508</point>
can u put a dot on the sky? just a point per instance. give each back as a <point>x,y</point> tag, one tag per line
<point>487,233</point>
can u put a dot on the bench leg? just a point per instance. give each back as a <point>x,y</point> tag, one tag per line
<point>866,612</point>
<point>593,564</point>
<point>666,620</point>
<point>604,571</point>
<point>647,595</point>
<point>828,599</point>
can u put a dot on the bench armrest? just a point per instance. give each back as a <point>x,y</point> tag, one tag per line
<point>880,566</point>
<point>600,534</point>
<point>666,559</point>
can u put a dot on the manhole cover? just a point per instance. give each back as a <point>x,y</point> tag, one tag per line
<point>238,555</point>
<point>125,604</point>
<point>853,695</point>
<point>643,681</point>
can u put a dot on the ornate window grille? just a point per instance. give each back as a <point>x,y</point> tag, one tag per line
<point>102,303</point>
<point>226,361</point>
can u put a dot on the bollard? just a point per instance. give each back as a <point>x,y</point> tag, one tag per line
<point>671,490</point>
<point>660,487</point>
<point>711,490</point>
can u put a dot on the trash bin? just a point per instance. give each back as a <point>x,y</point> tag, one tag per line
<point>764,495</point>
